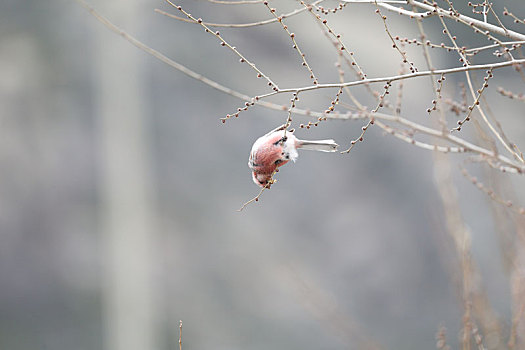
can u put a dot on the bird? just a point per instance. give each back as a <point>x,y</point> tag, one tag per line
<point>278,147</point>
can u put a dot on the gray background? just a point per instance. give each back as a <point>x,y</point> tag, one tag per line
<point>342,250</point>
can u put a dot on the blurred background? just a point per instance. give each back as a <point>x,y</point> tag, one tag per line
<point>119,188</point>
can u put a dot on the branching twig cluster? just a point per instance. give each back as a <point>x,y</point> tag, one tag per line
<point>484,142</point>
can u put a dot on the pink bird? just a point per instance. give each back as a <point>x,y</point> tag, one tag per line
<point>277,148</point>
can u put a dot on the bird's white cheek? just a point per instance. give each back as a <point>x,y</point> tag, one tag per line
<point>261,177</point>
<point>290,150</point>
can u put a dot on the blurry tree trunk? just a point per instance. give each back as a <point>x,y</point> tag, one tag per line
<point>477,311</point>
<point>125,185</point>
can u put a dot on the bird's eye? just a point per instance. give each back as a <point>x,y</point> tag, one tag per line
<point>281,140</point>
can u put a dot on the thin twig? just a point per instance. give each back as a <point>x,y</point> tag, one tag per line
<point>511,95</point>
<point>476,102</point>
<point>371,119</point>
<point>490,192</point>
<point>337,38</point>
<point>237,25</point>
<point>428,146</point>
<point>216,34</point>
<point>240,2</point>
<point>295,44</point>
<point>256,198</point>
<point>394,44</point>
<point>180,335</point>
<point>516,19</point>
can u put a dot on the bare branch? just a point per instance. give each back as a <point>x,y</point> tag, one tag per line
<point>237,25</point>
<point>493,66</point>
<point>240,2</point>
<point>469,21</point>
<point>439,11</point>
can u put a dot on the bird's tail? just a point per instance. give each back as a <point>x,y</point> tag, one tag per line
<point>320,145</point>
